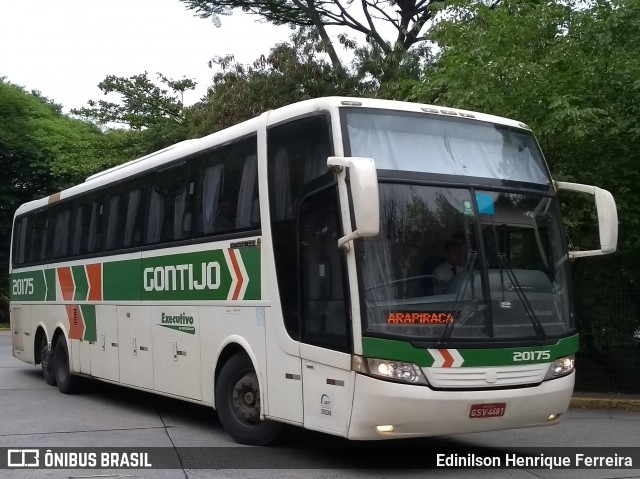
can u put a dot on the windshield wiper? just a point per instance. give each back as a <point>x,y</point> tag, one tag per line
<point>462,287</point>
<point>504,263</point>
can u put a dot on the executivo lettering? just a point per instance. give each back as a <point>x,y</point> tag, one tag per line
<point>181,277</point>
<point>180,322</point>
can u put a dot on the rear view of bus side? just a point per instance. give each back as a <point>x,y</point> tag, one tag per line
<point>365,268</point>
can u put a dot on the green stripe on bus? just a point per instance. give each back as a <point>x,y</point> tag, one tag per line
<point>404,351</point>
<point>30,286</point>
<point>89,315</point>
<point>251,259</point>
<point>121,280</point>
<point>81,283</point>
<point>50,279</point>
<point>202,275</point>
<point>197,276</point>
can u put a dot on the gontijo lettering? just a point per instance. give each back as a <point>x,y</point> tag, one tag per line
<point>182,277</point>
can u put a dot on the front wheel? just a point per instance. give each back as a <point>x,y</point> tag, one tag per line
<point>67,382</point>
<point>46,361</point>
<point>238,404</point>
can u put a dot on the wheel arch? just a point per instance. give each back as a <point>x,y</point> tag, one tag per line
<point>228,348</point>
<point>41,330</point>
<point>60,330</point>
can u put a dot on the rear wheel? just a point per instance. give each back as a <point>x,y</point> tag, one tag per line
<point>238,404</point>
<point>67,382</point>
<point>46,360</point>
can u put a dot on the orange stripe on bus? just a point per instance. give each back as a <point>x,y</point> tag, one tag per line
<point>236,268</point>
<point>94,275</point>
<point>76,324</point>
<point>448,359</point>
<point>66,283</point>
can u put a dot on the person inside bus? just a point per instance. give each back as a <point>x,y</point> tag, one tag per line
<point>452,265</point>
<point>226,219</point>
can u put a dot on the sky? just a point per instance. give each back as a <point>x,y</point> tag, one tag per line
<point>64,48</point>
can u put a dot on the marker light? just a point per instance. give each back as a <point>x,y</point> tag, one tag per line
<point>561,367</point>
<point>387,428</point>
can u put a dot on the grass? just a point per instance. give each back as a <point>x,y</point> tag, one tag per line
<point>4,326</point>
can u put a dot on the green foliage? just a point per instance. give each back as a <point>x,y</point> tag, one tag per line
<point>154,114</point>
<point>292,72</point>
<point>406,20</point>
<point>41,151</point>
<point>571,72</point>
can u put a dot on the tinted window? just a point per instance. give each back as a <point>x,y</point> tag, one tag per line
<point>96,226</point>
<point>170,206</point>
<point>324,315</point>
<point>61,233</point>
<point>21,240</point>
<point>228,190</point>
<point>123,225</point>
<point>298,153</point>
<point>39,242</point>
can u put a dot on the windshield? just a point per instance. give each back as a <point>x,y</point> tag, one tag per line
<point>462,264</point>
<point>451,146</point>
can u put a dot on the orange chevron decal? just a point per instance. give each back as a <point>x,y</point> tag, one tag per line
<point>94,276</point>
<point>66,283</point>
<point>236,269</point>
<point>448,359</point>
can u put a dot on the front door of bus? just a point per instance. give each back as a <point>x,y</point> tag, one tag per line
<point>325,347</point>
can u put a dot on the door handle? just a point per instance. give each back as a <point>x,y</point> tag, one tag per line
<point>135,347</point>
<point>175,350</point>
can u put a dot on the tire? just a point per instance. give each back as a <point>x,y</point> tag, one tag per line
<point>67,382</point>
<point>47,358</point>
<point>238,404</point>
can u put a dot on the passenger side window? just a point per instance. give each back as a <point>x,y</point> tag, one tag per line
<point>123,225</point>
<point>170,206</point>
<point>94,236</point>
<point>228,190</point>
<point>61,233</point>
<point>39,242</point>
<point>22,240</point>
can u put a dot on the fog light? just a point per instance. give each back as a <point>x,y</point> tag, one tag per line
<point>387,428</point>
<point>553,416</point>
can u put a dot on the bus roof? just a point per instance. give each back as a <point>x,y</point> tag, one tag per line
<point>190,147</point>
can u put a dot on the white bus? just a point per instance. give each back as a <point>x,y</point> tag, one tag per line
<point>365,268</point>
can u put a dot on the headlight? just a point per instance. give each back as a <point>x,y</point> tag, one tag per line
<point>561,367</point>
<point>394,370</point>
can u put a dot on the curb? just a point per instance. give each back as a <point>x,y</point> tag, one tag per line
<point>605,403</point>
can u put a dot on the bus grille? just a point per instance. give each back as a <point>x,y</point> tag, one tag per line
<point>486,377</point>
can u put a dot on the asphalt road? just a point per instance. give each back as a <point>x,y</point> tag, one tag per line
<point>33,414</point>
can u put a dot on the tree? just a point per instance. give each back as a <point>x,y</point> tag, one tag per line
<point>155,114</point>
<point>41,151</point>
<point>407,19</point>
<point>291,72</point>
<point>571,72</point>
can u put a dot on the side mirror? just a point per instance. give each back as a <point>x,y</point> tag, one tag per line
<point>607,217</point>
<point>363,179</point>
